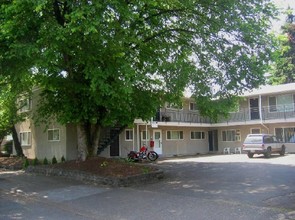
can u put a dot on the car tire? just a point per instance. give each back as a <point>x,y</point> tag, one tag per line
<point>250,155</point>
<point>282,152</point>
<point>267,153</point>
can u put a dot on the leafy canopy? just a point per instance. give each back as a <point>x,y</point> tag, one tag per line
<point>284,66</point>
<point>113,61</point>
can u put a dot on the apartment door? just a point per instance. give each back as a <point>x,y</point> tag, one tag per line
<point>254,108</point>
<point>213,140</point>
<point>157,137</point>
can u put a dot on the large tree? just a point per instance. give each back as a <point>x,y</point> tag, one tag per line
<point>11,90</point>
<point>102,63</point>
<point>284,66</point>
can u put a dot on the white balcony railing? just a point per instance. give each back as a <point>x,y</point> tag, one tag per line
<point>267,113</point>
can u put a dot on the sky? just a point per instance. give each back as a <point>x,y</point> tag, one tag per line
<point>282,5</point>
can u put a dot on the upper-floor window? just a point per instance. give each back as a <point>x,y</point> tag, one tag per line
<point>193,106</point>
<point>281,103</point>
<point>174,135</point>
<point>128,134</point>
<point>53,134</point>
<point>197,135</point>
<point>25,138</point>
<point>25,105</point>
<point>231,135</point>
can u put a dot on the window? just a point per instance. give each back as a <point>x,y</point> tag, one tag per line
<point>145,135</point>
<point>281,103</point>
<point>25,105</point>
<point>285,134</point>
<point>231,135</point>
<point>174,135</point>
<point>255,131</point>
<point>193,106</point>
<point>128,135</point>
<point>272,102</point>
<point>197,135</point>
<point>53,135</point>
<point>25,138</point>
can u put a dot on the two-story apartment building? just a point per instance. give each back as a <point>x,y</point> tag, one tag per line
<point>270,109</point>
<point>174,131</point>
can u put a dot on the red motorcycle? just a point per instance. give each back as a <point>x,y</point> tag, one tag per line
<point>143,154</point>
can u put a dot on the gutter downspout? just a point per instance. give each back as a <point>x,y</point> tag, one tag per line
<point>260,115</point>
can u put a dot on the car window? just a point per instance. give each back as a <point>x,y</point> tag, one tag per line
<point>253,139</point>
<point>267,139</point>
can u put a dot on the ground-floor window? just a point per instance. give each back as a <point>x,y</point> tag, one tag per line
<point>231,135</point>
<point>25,138</point>
<point>145,135</point>
<point>255,130</point>
<point>174,135</point>
<point>128,134</point>
<point>197,135</point>
<point>285,134</point>
<point>53,134</point>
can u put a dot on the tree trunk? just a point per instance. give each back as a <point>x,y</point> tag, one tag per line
<point>17,145</point>
<point>95,135</point>
<point>82,142</point>
<point>88,139</point>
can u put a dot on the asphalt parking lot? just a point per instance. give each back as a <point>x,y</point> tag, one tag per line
<point>203,187</point>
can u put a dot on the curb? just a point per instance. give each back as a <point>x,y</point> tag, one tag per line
<point>9,167</point>
<point>87,177</point>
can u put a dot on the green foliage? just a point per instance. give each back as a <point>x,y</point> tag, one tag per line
<point>218,108</point>
<point>8,147</point>
<point>54,161</point>
<point>284,68</point>
<point>45,161</point>
<point>109,62</point>
<point>104,164</point>
<point>35,162</point>
<point>146,170</point>
<point>26,163</point>
<point>63,159</point>
<point>128,160</point>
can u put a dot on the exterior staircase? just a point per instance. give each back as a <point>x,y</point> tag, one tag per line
<point>108,136</point>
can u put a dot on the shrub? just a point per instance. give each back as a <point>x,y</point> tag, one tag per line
<point>45,161</point>
<point>26,163</point>
<point>54,161</point>
<point>63,159</point>
<point>35,161</point>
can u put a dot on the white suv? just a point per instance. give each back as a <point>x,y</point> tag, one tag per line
<point>263,144</point>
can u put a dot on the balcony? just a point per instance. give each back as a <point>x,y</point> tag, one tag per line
<point>268,113</point>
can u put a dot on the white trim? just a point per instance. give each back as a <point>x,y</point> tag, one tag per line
<point>197,139</point>
<point>126,136</point>
<point>174,131</point>
<point>53,129</point>
<point>29,141</point>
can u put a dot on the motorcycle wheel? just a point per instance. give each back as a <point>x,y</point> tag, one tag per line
<point>152,156</point>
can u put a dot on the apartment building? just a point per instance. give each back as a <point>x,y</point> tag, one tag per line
<point>174,131</point>
<point>270,109</point>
